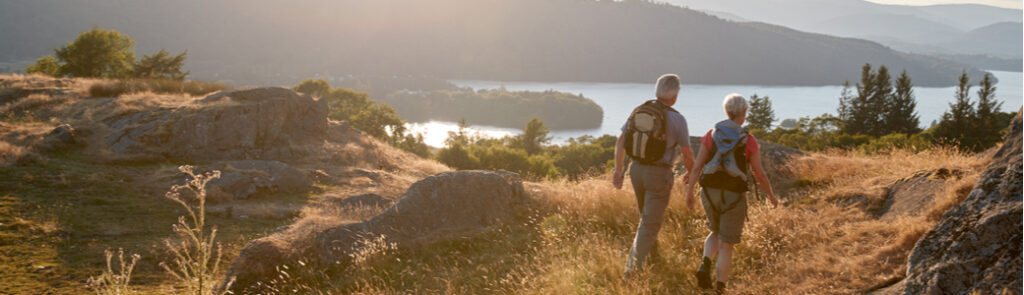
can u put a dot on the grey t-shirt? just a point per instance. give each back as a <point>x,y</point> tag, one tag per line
<point>677,131</point>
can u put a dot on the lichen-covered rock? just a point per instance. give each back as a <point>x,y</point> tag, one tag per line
<point>62,137</point>
<point>434,207</point>
<point>245,178</point>
<point>269,123</point>
<point>976,246</point>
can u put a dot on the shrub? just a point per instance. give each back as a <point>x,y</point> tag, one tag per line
<point>111,282</point>
<point>165,86</point>
<point>161,65</point>
<point>196,259</point>
<point>97,53</point>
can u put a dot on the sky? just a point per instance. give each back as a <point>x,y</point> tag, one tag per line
<point>1000,3</point>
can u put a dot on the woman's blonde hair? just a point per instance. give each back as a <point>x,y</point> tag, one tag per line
<point>735,105</point>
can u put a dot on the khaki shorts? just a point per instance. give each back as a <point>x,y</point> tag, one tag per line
<point>726,212</point>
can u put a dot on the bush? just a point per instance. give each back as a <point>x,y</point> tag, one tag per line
<point>889,142</point>
<point>457,156</point>
<point>161,65</point>
<point>97,53</point>
<point>117,88</point>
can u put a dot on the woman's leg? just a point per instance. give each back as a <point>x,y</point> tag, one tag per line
<point>711,245</point>
<point>724,267</point>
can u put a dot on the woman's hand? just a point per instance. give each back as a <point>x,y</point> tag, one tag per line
<point>773,200</point>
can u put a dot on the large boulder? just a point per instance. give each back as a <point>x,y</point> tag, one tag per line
<point>436,207</point>
<point>258,123</point>
<point>976,246</point>
<point>245,178</point>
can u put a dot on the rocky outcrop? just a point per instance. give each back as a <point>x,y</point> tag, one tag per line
<point>435,207</point>
<point>269,123</point>
<point>912,195</point>
<point>245,178</point>
<point>976,246</point>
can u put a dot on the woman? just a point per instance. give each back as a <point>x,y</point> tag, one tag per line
<point>724,155</point>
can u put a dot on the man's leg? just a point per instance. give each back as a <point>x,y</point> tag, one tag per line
<point>655,202</point>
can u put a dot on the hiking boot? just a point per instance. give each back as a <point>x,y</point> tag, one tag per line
<point>704,273</point>
<point>720,288</point>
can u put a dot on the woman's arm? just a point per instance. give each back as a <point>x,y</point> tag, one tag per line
<point>693,175</point>
<point>762,179</point>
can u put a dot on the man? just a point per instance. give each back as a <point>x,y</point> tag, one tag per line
<point>652,179</point>
<point>727,151</point>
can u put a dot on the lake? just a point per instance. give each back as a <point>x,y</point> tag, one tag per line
<point>702,104</point>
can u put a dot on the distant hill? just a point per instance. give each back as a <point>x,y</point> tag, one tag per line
<point>272,42</point>
<point>924,29</point>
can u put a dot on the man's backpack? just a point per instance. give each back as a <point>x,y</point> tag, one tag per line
<point>728,166</point>
<point>646,132</point>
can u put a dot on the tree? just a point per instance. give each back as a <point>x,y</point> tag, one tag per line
<point>861,115</point>
<point>878,102</point>
<point>458,157</point>
<point>900,116</point>
<point>314,87</point>
<point>161,65</point>
<point>957,123</point>
<point>461,136</point>
<point>989,130</point>
<point>846,100</point>
<point>761,116</point>
<point>46,65</point>
<point>534,137</point>
<point>97,53</point>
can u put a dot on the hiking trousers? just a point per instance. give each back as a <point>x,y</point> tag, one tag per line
<point>652,185</point>
<point>726,212</point>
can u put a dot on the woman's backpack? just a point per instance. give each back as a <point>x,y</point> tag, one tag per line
<point>646,132</point>
<point>727,168</point>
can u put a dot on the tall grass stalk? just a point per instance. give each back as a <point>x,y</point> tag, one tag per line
<point>111,282</point>
<point>196,260</point>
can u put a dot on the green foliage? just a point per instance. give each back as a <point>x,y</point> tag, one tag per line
<point>900,116</point>
<point>377,120</point>
<point>161,65</point>
<point>115,88</point>
<point>761,115</point>
<point>958,123</point>
<point>46,65</point>
<point>456,155</point>
<point>896,141</point>
<point>97,53</point>
<point>878,108</point>
<point>534,137</point>
<point>584,156</point>
<point>579,158</point>
<point>314,87</point>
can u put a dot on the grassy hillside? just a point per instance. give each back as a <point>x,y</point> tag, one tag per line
<point>838,231</point>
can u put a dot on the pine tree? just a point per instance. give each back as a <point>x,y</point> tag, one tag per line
<point>988,131</point>
<point>760,116</point>
<point>860,118</point>
<point>900,116</point>
<point>957,123</point>
<point>878,103</point>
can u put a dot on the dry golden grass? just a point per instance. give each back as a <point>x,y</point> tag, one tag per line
<point>576,236</point>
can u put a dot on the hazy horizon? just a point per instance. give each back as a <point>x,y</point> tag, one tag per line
<point>996,3</point>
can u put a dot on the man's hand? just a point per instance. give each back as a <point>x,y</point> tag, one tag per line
<point>774,201</point>
<point>686,178</point>
<point>690,200</point>
<point>617,179</point>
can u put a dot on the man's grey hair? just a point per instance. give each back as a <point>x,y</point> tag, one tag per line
<point>668,86</point>
<point>735,105</point>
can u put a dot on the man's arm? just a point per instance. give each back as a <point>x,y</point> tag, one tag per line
<point>620,159</point>
<point>687,160</point>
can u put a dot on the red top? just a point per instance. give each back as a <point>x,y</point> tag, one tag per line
<point>751,149</point>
